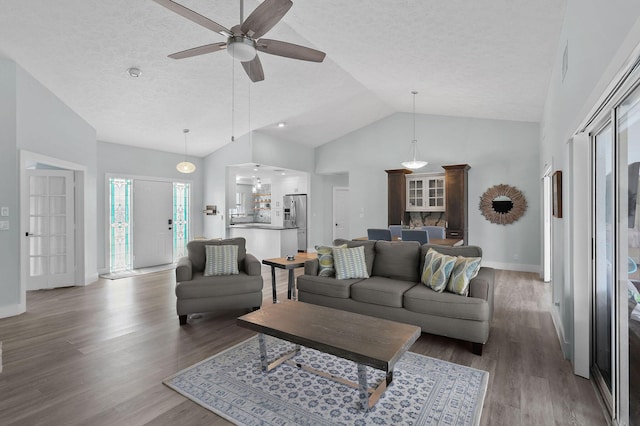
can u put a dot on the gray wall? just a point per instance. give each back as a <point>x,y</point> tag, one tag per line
<point>11,301</point>
<point>595,57</point>
<point>34,120</point>
<point>130,161</point>
<point>499,152</point>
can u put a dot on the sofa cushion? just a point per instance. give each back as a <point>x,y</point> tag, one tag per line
<point>381,291</point>
<point>221,260</point>
<point>437,270</point>
<point>422,299</point>
<point>201,286</point>
<point>397,260</point>
<point>197,255</point>
<point>369,250</point>
<point>464,270</point>
<point>466,251</point>
<point>325,260</point>
<point>350,263</point>
<point>325,286</point>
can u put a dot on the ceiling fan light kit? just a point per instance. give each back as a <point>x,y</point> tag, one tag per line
<point>414,163</point>
<point>241,48</point>
<point>244,40</point>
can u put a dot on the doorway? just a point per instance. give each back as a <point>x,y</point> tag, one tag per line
<point>51,229</point>
<point>152,223</point>
<point>148,223</point>
<point>340,212</point>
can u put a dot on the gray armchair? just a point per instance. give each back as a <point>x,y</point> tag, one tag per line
<point>197,293</point>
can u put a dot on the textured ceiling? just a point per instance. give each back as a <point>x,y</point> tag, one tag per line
<point>487,59</point>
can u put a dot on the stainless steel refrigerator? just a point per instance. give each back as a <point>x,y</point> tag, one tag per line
<point>295,216</point>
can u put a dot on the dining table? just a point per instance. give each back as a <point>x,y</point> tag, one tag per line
<point>451,242</point>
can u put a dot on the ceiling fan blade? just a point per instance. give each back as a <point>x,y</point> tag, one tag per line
<point>254,70</point>
<point>289,50</point>
<point>201,50</point>
<point>194,16</point>
<point>264,17</point>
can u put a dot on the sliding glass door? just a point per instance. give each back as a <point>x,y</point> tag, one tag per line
<point>615,355</point>
<point>604,261</point>
<point>628,129</point>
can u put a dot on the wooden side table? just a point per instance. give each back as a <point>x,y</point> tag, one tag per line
<point>290,265</point>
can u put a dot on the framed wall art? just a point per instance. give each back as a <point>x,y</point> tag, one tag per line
<point>556,187</point>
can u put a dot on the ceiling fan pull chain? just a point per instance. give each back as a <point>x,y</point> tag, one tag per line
<point>250,132</point>
<point>233,96</point>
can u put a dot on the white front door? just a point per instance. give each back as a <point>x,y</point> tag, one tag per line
<point>340,213</point>
<point>152,223</point>
<point>51,230</point>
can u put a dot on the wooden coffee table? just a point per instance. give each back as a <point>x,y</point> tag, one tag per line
<point>365,340</point>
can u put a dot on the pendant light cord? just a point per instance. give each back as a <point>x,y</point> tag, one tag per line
<point>185,131</point>
<point>414,142</point>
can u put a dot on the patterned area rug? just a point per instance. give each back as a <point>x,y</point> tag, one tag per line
<point>424,391</point>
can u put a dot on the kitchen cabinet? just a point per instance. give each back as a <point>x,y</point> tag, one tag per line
<point>396,195</point>
<point>457,201</point>
<point>426,192</point>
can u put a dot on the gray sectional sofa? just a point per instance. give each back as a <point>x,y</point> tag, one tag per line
<point>197,293</point>
<point>393,291</point>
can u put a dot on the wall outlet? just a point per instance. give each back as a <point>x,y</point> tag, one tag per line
<point>4,211</point>
<point>4,225</point>
<point>516,256</point>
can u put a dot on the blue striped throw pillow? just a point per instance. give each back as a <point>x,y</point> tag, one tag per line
<point>221,260</point>
<point>350,263</point>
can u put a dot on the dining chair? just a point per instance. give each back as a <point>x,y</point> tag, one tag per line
<point>379,234</point>
<point>435,232</point>
<point>396,231</point>
<point>418,235</point>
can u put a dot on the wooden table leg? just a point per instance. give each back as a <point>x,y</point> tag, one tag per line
<point>273,284</point>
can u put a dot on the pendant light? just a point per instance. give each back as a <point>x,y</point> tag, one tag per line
<point>186,166</point>
<point>414,163</point>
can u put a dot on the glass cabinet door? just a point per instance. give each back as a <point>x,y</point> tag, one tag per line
<point>415,193</point>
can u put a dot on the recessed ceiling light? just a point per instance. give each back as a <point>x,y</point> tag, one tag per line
<point>282,124</point>
<point>134,72</point>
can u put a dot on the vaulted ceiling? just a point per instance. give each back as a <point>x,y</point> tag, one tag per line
<point>486,59</point>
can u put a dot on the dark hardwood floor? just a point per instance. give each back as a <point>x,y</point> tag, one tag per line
<point>97,355</point>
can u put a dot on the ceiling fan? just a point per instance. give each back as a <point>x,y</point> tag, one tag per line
<point>244,40</point>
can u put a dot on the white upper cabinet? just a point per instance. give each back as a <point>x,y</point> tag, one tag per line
<point>425,192</point>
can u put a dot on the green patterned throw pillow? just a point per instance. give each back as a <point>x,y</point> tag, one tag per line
<point>350,263</point>
<point>325,260</point>
<point>464,270</point>
<point>221,260</point>
<point>437,269</point>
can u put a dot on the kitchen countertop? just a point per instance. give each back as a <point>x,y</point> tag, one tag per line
<point>259,226</point>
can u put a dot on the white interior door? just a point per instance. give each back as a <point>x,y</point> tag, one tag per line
<point>340,213</point>
<point>51,230</point>
<point>152,223</point>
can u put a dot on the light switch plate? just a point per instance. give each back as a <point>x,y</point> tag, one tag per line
<point>4,211</point>
<point>4,225</point>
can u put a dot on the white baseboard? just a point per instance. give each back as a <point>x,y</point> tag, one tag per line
<point>512,266</point>
<point>90,279</point>
<point>12,310</point>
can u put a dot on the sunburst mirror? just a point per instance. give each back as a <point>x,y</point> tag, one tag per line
<point>503,204</point>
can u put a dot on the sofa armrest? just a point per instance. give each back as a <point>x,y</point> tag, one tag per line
<point>252,265</point>
<point>184,270</point>
<point>311,267</point>
<point>482,286</point>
